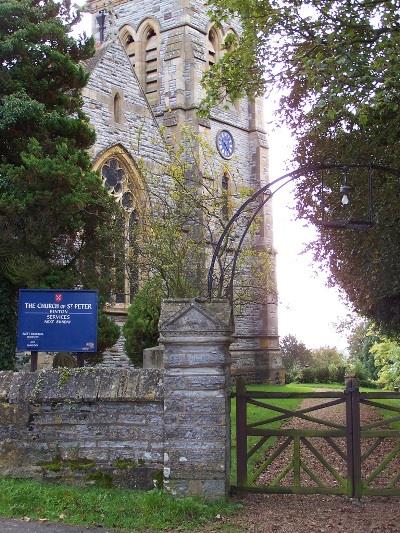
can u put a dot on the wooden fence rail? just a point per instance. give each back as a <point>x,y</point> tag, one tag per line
<point>322,455</point>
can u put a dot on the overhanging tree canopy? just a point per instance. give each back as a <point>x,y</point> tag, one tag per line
<point>337,65</point>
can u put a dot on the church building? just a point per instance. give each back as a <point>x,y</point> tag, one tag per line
<point>144,88</point>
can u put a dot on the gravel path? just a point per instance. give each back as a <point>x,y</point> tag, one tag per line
<point>337,415</point>
<point>288,513</point>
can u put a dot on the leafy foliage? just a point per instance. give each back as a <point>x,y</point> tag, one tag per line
<point>294,351</point>
<point>56,219</point>
<point>387,359</point>
<point>108,332</point>
<point>302,365</point>
<point>337,66</point>
<point>141,326</point>
<point>7,325</point>
<point>64,360</point>
<point>327,355</point>
<point>373,357</point>
<point>323,374</point>
<point>295,356</point>
<point>188,209</point>
<point>361,338</point>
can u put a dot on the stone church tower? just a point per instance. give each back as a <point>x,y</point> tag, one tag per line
<point>146,75</point>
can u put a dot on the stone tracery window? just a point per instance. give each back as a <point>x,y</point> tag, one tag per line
<point>127,201</point>
<point>133,267</point>
<point>113,176</point>
<point>116,182</point>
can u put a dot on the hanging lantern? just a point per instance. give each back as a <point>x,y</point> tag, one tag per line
<point>347,206</point>
<point>345,190</point>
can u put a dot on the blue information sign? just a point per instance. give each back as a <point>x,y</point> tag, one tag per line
<point>52,320</point>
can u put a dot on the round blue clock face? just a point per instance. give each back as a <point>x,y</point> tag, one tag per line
<point>225,144</point>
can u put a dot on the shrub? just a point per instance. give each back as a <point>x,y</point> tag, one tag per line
<point>337,373</point>
<point>141,327</point>
<point>293,373</point>
<point>7,325</point>
<point>361,372</point>
<point>64,360</point>
<point>322,374</point>
<point>308,375</point>
<point>108,332</point>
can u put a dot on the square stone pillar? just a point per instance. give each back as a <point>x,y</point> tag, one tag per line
<point>196,335</point>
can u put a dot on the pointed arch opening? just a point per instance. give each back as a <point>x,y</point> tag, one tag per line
<point>117,108</point>
<point>127,37</point>
<point>150,60</point>
<point>225,193</point>
<point>231,40</point>
<point>124,183</point>
<point>213,46</point>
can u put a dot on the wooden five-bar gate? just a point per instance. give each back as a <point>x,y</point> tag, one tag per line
<point>355,452</point>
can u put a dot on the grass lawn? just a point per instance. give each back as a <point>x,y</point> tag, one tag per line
<point>335,386</point>
<point>259,413</point>
<point>140,511</point>
<point>384,412</point>
<point>124,509</point>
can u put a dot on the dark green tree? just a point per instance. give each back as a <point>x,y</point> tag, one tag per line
<point>337,64</point>
<point>294,352</point>
<point>141,327</point>
<point>360,341</point>
<point>7,325</point>
<point>56,219</point>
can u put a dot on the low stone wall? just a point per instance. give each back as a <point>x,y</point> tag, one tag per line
<point>133,428</point>
<point>94,426</point>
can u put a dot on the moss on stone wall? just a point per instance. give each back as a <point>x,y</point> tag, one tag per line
<point>58,464</point>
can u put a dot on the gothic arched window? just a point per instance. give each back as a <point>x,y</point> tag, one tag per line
<point>117,108</point>
<point>231,40</point>
<point>128,40</point>
<point>148,35</point>
<point>116,182</point>
<point>225,195</point>
<point>213,47</point>
<point>133,267</point>
<point>151,63</point>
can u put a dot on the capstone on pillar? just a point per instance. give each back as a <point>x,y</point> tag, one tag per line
<point>196,335</point>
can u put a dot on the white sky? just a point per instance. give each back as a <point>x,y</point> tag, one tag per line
<point>307,308</point>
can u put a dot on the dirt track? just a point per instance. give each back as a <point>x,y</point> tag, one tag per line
<point>293,513</point>
<point>289,513</point>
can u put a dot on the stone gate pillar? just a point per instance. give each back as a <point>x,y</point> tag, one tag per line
<point>196,336</point>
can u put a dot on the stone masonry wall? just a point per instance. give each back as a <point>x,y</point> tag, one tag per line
<point>196,335</point>
<point>94,426</point>
<point>132,428</point>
